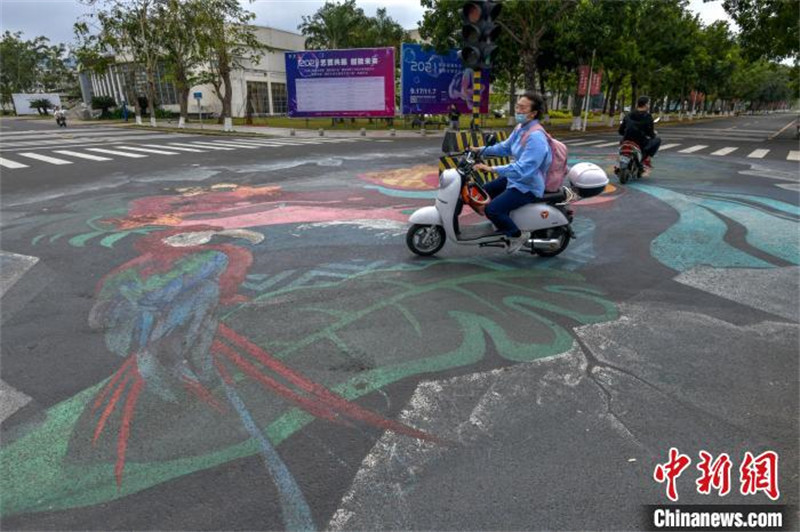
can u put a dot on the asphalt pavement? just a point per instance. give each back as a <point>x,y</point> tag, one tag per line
<point>233,335</point>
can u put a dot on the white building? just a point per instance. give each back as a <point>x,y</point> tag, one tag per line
<point>262,84</point>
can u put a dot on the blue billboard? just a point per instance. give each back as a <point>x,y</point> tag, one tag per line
<point>432,82</point>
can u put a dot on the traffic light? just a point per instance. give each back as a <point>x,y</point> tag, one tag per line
<point>479,32</point>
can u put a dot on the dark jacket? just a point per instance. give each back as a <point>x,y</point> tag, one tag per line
<point>454,114</point>
<point>638,127</point>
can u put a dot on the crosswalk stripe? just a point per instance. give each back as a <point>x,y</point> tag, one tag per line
<point>572,141</point>
<point>794,155</point>
<point>758,154</point>
<point>44,158</point>
<point>280,142</point>
<point>172,147</point>
<point>261,143</point>
<point>585,143</point>
<point>115,152</point>
<point>202,145</point>
<point>147,150</point>
<point>725,151</point>
<point>693,149</point>
<point>606,145</point>
<point>235,145</point>
<point>11,164</point>
<point>82,155</point>
<point>668,147</point>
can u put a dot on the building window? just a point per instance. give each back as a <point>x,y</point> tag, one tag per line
<point>280,99</point>
<point>132,75</point>
<point>257,98</point>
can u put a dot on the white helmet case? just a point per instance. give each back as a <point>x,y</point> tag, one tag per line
<point>587,179</point>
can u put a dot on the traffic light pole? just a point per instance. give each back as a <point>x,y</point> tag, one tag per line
<point>479,32</point>
<point>476,99</point>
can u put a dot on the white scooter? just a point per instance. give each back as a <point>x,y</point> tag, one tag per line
<point>546,222</point>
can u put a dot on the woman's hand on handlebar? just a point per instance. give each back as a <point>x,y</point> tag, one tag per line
<point>483,167</point>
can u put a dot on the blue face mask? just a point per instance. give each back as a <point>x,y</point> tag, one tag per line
<point>521,118</point>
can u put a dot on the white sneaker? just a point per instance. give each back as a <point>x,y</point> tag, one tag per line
<point>514,244</point>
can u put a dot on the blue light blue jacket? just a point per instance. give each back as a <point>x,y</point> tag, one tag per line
<point>531,161</point>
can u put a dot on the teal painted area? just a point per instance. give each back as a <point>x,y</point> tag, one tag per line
<point>698,236</point>
<point>410,194</point>
<point>767,202</point>
<point>772,234</point>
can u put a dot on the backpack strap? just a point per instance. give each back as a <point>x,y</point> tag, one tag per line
<point>531,129</point>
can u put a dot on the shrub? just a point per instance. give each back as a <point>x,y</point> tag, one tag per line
<point>41,105</point>
<point>104,103</point>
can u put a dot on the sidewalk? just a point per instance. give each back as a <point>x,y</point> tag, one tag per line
<point>560,129</point>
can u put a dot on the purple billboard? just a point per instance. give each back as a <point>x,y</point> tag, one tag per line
<point>357,82</point>
<point>431,83</point>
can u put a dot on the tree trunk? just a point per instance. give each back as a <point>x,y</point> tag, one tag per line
<point>634,91</point>
<point>529,67</point>
<point>130,94</point>
<point>613,101</point>
<point>151,95</point>
<point>182,86</point>
<point>512,98</point>
<point>545,113</point>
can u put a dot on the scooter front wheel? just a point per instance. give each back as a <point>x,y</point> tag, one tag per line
<point>425,240</point>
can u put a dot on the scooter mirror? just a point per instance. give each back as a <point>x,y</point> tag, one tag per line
<point>490,139</point>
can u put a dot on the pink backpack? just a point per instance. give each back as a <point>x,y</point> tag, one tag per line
<point>558,166</point>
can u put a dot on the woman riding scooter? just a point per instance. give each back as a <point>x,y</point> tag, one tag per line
<point>522,181</point>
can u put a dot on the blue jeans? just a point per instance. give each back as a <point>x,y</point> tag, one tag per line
<point>505,200</point>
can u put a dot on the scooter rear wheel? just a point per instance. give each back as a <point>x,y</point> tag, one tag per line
<point>425,240</point>
<point>563,236</point>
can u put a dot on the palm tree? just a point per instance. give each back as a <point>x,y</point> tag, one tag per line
<point>334,26</point>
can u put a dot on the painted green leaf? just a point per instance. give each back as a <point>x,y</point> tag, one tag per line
<point>354,335</point>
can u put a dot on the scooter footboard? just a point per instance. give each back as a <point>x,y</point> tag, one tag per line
<point>426,216</point>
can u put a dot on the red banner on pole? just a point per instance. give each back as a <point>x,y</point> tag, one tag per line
<point>597,79</point>
<point>583,79</point>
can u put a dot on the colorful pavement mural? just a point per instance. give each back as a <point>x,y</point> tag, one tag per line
<point>223,355</point>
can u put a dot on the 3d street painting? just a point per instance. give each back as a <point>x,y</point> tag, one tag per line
<point>219,352</point>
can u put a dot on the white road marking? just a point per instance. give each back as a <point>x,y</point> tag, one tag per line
<point>147,150</point>
<point>724,151</point>
<point>45,158</point>
<point>235,145</point>
<point>606,145</point>
<point>794,155</point>
<point>202,145</point>
<point>11,164</point>
<point>758,154</point>
<point>114,152</point>
<point>585,143</point>
<point>693,149</point>
<point>172,147</point>
<point>784,128</point>
<point>667,147</point>
<point>82,155</point>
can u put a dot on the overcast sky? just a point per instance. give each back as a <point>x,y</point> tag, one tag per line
<point>54,18</point>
